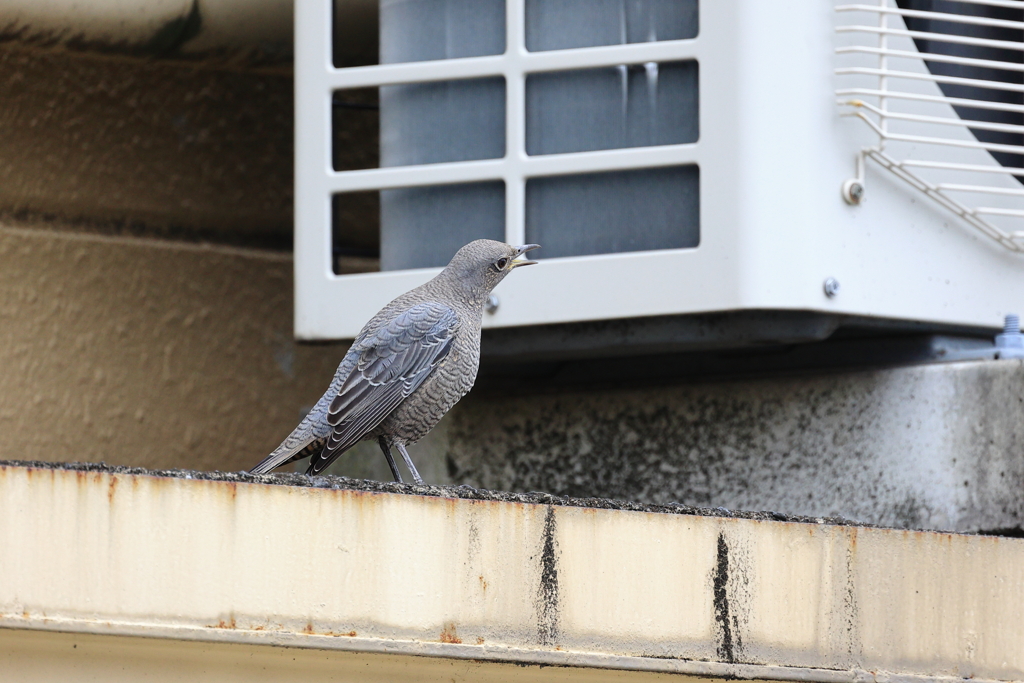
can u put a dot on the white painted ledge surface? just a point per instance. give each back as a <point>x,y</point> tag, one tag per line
<point>485,581</point>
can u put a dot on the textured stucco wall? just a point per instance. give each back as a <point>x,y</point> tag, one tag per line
<point>936,446</point>
<point>147,352</point>
<point>146,146</point>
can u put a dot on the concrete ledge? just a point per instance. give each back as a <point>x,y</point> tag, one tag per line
<point>132,554</point>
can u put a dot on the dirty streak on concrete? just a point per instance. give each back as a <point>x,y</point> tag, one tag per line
<point>721,602</point>
<point>547,594</point>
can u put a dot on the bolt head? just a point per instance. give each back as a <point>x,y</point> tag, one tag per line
<point>491,305</point>
<point>853,191</point>
<point>831,287</point>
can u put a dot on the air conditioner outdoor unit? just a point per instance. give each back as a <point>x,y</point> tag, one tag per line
<point>672,158</point>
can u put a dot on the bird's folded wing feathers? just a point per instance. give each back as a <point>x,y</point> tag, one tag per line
<point>391,364</point>
<point>295,447</point>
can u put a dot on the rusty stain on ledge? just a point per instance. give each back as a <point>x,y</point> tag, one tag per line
<point>449,634</point>
<point>336,483</point>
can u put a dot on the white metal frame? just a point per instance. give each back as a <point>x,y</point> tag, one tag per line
<point>316,181</point>
<point>916,161</point>
<point>773,154</point>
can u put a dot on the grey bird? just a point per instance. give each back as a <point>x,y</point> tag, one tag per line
<point>409,365</point>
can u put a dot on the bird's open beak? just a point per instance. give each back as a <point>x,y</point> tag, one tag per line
<point>522,250</point>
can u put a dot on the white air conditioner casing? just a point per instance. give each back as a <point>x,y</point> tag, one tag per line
<point>773,153</point>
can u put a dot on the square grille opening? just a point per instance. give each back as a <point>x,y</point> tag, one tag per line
<point>412,227</point>
<point>614,212</point>
<point>635,105</point>
<point>566,24</point>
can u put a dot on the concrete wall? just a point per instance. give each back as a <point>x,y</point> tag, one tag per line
<point>148,352</point>
<point>937,446</point>
<point>146,147</point>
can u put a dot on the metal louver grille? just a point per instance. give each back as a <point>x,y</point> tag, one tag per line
<point>941,83</point>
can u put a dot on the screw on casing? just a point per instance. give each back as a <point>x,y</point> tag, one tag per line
<point>853,191</point>
<point>831,287</point>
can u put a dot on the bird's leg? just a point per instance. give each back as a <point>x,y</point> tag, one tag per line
<point>408,463</point>
<point>391,461</point>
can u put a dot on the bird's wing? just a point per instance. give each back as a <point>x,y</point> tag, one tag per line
<point>391,364</point>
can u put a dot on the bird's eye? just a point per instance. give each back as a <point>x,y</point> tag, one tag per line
<point>501,263</point>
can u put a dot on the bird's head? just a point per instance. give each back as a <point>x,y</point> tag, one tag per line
<point>482,264</point>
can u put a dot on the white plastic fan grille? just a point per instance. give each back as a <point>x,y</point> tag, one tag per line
<point>941,83</point>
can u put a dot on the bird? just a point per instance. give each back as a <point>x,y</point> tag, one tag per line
<point>407,367</point>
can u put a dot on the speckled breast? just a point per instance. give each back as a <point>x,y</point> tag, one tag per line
<point>449,382</point>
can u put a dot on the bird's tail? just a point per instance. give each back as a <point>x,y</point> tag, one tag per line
<point>287,452</point>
